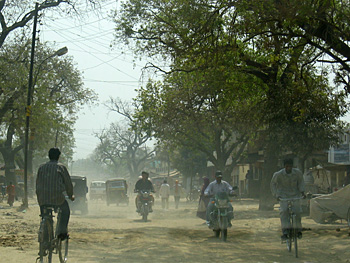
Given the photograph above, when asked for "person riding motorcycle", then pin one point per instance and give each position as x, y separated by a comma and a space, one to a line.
143, 184
214, 188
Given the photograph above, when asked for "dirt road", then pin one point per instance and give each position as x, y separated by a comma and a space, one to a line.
116, 234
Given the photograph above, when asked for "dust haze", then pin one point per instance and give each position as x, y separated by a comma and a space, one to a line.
117, 234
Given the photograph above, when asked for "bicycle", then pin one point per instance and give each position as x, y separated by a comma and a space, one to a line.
293, 232
49, 243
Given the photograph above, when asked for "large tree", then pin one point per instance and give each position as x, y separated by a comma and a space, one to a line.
15, 15
297, 100
124, 142
199, 111
57, 97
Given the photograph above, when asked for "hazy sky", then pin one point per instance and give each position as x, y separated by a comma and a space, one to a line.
105, 68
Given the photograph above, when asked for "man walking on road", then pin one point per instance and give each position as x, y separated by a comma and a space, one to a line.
177, 193
288, 183
164, 193
11, 193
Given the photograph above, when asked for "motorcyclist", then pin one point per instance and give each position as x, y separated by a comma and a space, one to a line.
143, 184
214, 188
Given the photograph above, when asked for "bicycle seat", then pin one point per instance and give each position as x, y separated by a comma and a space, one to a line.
48, 209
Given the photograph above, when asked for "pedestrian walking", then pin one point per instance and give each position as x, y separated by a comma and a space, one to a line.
164, 193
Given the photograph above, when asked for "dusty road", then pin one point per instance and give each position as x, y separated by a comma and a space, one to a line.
116, 234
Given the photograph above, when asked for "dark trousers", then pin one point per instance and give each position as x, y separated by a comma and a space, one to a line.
65, 214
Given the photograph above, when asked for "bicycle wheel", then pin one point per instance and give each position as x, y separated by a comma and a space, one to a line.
62, 245
62, 248
45, 239
295, 235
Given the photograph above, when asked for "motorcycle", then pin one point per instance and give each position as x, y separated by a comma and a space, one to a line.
145, 198
220, 215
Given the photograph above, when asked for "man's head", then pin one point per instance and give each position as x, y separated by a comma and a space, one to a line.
218, 176
54, 154
144, 175
165, 181
176, 181
288, 165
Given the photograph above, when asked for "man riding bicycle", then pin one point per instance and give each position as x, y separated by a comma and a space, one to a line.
52, 180
288, 183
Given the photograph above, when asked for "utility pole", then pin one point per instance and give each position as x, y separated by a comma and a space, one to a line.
28, 108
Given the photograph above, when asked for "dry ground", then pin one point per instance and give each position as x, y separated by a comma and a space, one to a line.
116, 234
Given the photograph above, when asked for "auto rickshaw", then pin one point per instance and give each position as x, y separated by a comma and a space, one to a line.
116, 191
80, 190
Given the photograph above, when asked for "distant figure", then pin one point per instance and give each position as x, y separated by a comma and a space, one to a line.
248, 178
346, 179
309, 180
11, 193
177, 193
203, 200
164, 193
3, 190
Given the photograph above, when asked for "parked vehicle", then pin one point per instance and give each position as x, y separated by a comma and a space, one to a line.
220, 215
80, 190
116, 191
97, 190
193, 195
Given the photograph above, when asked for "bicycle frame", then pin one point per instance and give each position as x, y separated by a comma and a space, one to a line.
293, 234
47, 237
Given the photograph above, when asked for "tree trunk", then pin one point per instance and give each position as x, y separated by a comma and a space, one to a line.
267, 201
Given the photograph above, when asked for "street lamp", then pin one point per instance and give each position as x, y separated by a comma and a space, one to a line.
59, 52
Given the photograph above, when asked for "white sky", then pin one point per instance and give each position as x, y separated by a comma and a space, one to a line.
106, 70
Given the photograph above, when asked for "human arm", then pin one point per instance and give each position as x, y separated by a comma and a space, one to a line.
273, 185
229, 188
137, 187
208, 190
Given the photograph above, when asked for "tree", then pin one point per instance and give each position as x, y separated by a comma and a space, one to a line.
245, 38
197, 111
15, 14
124, 143
323, 25
58, 95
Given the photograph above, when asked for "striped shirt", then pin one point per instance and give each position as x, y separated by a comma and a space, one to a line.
52, 180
